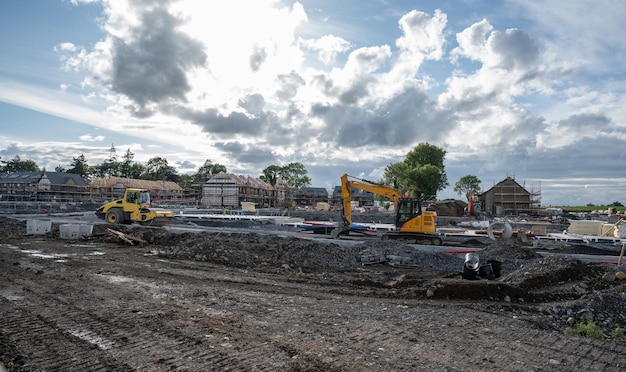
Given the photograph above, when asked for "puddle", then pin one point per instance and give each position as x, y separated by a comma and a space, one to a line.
58, 257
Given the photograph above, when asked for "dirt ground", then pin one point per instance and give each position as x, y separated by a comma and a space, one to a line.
261, 298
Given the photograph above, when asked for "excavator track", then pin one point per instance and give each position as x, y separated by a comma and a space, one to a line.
416, 238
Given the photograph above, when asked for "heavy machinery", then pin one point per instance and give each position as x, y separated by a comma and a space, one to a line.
412, 224
133, 207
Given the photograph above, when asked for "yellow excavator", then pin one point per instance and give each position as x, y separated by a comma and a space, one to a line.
412, 224
134, 207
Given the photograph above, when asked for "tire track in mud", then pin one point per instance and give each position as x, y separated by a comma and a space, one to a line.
56, 349
129, 310
142, 332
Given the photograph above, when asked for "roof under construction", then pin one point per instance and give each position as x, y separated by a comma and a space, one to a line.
120, 182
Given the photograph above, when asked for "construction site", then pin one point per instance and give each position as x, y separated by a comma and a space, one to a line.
260, 291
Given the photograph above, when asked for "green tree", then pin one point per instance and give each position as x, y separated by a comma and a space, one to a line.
158, 169
424, 154
422, 171
425, 180
18, 165
467, 185
270, 174
295, 174
394, 176
79, 166
112, 165
206, 170
136, 170
108, 168
125, 166
186, 181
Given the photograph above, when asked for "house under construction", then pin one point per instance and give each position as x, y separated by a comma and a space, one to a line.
111, 188
229, 191
508, 197
43, 186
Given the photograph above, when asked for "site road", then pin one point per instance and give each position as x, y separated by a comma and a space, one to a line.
83, 306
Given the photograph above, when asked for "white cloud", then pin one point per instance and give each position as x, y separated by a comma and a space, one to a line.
91, 138
327, 47
471, 41
239, 81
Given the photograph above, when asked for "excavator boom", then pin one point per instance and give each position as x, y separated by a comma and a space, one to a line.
348, 184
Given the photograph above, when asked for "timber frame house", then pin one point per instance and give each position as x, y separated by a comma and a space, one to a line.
508, 197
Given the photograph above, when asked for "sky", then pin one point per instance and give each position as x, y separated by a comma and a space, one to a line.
529, 89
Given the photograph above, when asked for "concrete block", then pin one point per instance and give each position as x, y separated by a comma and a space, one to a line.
69, 231
38, 227
86, 229
585, 227
539, 230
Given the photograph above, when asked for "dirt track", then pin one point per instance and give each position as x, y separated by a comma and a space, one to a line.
199, 302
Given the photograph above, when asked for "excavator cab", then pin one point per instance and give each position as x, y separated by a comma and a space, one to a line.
407, 210
410, 219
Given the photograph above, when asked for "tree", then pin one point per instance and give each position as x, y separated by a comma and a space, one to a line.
270, 174
158, 169
424, 154
79, 166
112, 165
108, 168
394, 176
422, 171
467, 185
425, 180
207, 170
18, 165
136, 170
295, 174
186, 181
126, 165
217, 168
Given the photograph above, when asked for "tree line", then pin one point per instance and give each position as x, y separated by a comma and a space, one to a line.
155, 169
422, 172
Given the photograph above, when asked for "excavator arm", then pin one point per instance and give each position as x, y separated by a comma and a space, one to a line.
347, 184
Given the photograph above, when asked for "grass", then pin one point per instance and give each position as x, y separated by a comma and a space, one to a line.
589, 330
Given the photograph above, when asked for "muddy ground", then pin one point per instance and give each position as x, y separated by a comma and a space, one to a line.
260, 298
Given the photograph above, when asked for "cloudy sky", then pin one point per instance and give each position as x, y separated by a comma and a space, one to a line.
524, 88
